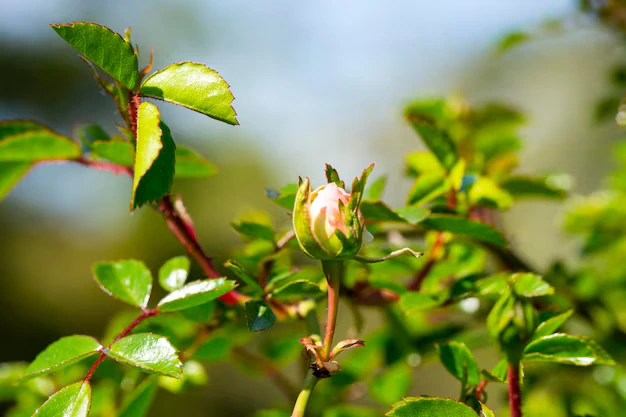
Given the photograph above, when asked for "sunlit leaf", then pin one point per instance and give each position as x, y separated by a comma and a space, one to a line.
150, 352
72, 401
173, 273
115, 150
61, 354
195, 294
10, 174
194, 86
154, 157
563, 348
29, 141
430, 407
552, 324
129, 281
105, 48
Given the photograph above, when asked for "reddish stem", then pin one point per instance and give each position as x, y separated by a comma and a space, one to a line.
106, 166
133, 107
144, 315
480, 390
333, 271
515, 392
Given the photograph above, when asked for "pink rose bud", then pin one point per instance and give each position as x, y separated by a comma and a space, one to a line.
327, 221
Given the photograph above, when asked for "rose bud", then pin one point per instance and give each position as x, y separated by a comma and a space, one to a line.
327, 221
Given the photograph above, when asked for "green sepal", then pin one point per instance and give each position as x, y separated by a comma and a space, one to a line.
333, 176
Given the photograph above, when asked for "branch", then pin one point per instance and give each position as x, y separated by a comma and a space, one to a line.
144, 315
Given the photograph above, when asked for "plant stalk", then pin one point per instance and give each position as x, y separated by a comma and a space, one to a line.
333, 271
299, 408
515, 392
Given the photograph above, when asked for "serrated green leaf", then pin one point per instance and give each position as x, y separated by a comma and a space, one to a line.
150, 352
154, 157
460, 362
563, 348
393, 383
190, 164
139, 402
548, 186
72, 401
494, 284
428, 118
347, 410
129, 281
259, 316
10, 174
475, 230
551, 325
194, 86
195, 294
486, 411
105, 48
27, 141
530, 285
173, 273
430, 407
61, 354
115, 150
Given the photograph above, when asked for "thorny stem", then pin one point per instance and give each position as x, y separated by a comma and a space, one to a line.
144, 315
303, 399
515, 392
333, 271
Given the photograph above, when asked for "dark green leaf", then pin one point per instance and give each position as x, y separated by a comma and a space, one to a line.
129, 281
194, 86
430, 407
173, 273
259, 316
154, 158
460, 362
195, 294
255, 230
90, 133
333, 176
428, 118
72, 401
563, 348
61, 354
105, 48
150, 352
189, 164
140, 400
10, 174
393, 383
475, 230
116, 150
548, 186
